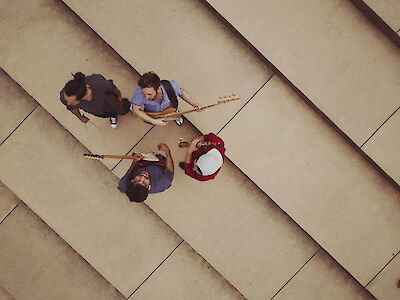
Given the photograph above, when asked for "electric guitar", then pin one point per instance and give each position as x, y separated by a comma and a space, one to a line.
146, 156
170, 113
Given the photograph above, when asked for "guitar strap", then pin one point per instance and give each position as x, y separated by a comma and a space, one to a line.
170, 92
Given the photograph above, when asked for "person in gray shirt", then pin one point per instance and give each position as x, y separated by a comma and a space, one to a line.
95, 95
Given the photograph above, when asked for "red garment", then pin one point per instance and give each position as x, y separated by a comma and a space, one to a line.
211, 137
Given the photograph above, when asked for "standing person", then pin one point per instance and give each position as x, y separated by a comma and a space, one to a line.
155, 95
203, 163
145, 177
95, 95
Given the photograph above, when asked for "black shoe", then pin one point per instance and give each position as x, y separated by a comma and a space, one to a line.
181, 165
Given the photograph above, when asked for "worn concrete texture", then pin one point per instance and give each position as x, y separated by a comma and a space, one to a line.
328, 50
186, 275
323, 278
385, 286
40, 265
326, 186
185, 42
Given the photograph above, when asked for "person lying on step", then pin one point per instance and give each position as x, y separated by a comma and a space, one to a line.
155, 95
148, 177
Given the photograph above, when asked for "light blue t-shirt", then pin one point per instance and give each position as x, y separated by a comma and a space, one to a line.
139, 99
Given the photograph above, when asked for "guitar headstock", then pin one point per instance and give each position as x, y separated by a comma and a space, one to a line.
228, 99
93, 156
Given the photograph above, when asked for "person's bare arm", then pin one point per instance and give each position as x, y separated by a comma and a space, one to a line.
77, 113
185, 96
168, 157
145, 117
191, 149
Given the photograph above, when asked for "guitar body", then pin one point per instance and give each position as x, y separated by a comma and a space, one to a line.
160, 114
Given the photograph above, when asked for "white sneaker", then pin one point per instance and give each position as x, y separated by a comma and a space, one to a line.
113, 122
179, 122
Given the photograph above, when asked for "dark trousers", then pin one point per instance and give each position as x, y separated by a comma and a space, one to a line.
116, 107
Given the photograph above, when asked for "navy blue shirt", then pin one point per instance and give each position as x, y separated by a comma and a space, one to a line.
160, 178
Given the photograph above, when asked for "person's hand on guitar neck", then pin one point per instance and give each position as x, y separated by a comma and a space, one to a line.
160, 122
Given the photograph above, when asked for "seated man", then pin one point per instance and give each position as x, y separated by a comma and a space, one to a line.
203, 160
96, 95
154, 95
145, 177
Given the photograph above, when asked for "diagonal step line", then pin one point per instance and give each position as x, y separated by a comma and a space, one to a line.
303, 96
380, 127
382, 268
246, 103
66, 243
297, 224
127, 153
156, 268
11, 211
296, 273
18, 126
98, 36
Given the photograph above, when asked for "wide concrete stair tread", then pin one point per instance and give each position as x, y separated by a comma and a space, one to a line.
278, 188
325, 56
308, 168
184, 42
238, 230
185, 271
41, 265
123, 242
355, 88
74, 47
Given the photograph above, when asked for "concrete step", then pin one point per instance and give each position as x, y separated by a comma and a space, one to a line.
63, 145
284, 189
317, 178
78, 199
331, 53
37, 264
194, 48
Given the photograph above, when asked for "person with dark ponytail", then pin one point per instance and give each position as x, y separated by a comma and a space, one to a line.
95, 95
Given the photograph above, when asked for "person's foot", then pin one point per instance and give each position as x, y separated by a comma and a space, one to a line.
179, 122
181, 165
113, 122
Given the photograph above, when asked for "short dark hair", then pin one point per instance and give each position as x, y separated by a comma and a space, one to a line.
77, 86
149, 79
136, 192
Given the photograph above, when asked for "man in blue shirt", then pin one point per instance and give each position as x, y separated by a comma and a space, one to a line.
144, 177
152, 96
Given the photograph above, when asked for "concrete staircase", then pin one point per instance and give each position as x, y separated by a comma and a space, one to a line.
290, 224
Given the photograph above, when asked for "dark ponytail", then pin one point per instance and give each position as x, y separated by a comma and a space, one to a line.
77, 86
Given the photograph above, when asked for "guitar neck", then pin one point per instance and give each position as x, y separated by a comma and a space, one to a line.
119, 156
176, 114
